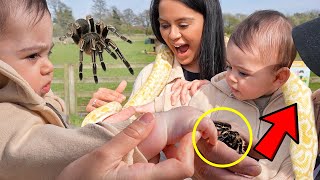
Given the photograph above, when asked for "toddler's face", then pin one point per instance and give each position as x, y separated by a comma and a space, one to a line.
247, 75
25, 46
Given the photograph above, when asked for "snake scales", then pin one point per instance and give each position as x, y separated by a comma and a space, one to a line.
303, 155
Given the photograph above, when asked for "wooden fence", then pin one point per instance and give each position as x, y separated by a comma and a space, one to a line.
70, 79
71, 93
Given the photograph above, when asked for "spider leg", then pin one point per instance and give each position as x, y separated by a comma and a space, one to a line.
110, 52
91, 22
114, 30
93, 58
109, 42
81, 44
103, 65
99, 26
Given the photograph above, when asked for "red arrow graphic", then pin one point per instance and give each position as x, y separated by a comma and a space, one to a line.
284, 121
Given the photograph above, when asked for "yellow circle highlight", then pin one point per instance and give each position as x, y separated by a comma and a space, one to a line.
195, 143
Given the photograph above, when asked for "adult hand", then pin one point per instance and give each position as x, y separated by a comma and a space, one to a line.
183, 89
104, 95
222, 154
106, 162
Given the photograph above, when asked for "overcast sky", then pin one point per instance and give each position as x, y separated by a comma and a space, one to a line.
83, 7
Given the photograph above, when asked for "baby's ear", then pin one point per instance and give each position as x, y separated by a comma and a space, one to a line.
282, 76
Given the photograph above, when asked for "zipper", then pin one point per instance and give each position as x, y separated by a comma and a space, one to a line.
57, 113
257, 109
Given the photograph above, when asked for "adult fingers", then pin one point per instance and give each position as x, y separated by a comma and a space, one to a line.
184, 92
177, 84
196, 86
121, 116
222, 154
175, 96
101, 161
121, 87
130, 137
180, 163
108, 95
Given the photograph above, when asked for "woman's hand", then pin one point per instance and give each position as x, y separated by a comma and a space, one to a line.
104, 95
183, 89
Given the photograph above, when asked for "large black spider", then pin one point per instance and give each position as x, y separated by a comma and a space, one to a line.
230, 138
92, 39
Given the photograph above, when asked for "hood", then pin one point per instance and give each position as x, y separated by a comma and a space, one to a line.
219, 81
14, 89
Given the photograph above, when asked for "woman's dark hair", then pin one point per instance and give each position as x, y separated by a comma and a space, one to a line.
39, 7
212, 47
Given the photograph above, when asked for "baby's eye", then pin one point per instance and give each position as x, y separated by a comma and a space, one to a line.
33, 56
243, 74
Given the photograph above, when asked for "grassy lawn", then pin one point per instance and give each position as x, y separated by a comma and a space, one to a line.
134, 53
69, 54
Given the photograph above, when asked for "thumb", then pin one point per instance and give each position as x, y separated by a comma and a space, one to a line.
131, 136
122, 86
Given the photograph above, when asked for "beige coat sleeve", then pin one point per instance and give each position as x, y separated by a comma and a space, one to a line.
30, 149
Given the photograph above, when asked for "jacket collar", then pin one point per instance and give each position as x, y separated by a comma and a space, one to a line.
13, 88
176, 72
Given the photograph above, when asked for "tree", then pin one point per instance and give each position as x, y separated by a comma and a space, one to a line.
128, 18
99, 9
143, 20
115, 17
62, 16
231, 21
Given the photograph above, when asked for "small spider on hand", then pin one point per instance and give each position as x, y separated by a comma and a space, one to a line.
92, 39
229, 137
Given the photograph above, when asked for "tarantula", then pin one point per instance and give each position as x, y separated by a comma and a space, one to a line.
92, 39
230, 138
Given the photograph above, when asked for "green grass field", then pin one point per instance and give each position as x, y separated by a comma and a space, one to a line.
134, 53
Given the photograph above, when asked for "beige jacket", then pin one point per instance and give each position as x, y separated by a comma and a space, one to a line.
162, 102
217, 93
34, 140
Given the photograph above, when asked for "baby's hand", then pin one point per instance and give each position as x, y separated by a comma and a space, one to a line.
172, 125
183, 88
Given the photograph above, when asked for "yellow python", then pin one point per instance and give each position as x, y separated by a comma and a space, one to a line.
303, 155
147, 92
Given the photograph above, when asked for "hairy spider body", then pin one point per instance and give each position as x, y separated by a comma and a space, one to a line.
92, 39
230, 138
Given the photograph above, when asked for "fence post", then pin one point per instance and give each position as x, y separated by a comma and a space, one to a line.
72, 90
66, 88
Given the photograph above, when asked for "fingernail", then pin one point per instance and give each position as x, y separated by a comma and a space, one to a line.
198, 135
147, 118
123, 97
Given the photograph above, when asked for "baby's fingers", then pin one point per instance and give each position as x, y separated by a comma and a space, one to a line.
208, 130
